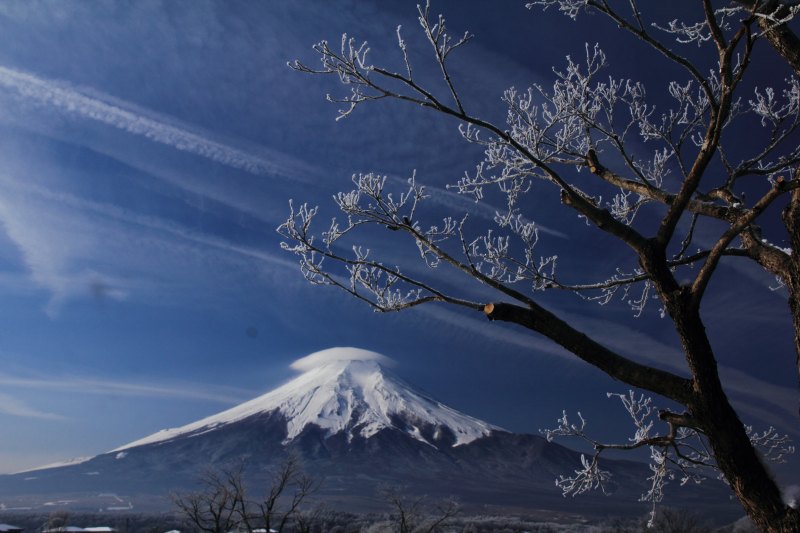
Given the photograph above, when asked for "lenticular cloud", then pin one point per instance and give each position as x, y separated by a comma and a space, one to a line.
331, 355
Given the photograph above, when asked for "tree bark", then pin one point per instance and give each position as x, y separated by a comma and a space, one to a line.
706, 400
644, 377
791, 219
782, 39
738, 461
794, 307
736, 457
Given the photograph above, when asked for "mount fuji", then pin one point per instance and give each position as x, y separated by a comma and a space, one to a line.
356, 427
345, 391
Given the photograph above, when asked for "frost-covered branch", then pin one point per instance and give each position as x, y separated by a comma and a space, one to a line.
383, 287
386, 287
636, 28
443, 44
774, 447
554, 133
679, 451
711, 27
626, 159
704, 275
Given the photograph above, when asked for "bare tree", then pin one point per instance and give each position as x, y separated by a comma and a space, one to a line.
216, 507
306, 520
682, 453
678, 521
418, 514
222, 504
56, 521
667, 520
290, 487
685, 176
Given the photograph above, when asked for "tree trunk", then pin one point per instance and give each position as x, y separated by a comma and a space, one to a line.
791, 219
783, 40
743, 469
794, 304
707, 402
794, 307
736, 457
733, 452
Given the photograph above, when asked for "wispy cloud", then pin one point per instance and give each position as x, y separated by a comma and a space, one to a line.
125, 116
46, 256
149, 222
745, 385
56, 231
9, 405
96, 385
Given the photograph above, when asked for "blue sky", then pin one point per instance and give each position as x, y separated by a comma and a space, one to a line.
149, 151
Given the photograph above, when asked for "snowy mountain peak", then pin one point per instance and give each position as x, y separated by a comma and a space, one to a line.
345, 390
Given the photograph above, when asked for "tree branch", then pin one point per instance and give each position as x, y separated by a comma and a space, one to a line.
635, 374
603, 7
703, 277
780, 36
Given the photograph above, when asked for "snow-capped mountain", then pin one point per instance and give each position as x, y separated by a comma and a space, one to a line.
356, 427
345, 390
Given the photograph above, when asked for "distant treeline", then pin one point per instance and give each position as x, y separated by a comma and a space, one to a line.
124, 523
342, 522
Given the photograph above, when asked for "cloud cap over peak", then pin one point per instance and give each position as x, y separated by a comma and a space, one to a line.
341, 353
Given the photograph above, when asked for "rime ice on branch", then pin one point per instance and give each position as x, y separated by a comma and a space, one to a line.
619, 163
681, 452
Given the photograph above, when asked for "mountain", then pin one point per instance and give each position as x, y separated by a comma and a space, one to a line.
356, 427
345, 390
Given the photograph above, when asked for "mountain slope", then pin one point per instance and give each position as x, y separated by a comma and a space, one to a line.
344, 390
356, 428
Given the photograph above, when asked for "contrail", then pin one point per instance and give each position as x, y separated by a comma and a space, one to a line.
129, 118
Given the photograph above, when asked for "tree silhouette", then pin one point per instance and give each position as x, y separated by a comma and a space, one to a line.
647, 178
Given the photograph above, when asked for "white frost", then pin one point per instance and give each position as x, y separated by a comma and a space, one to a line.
342, 389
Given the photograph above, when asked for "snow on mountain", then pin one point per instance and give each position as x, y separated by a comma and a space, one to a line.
68, 462
343, 389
